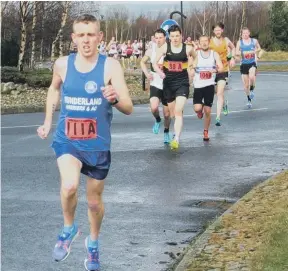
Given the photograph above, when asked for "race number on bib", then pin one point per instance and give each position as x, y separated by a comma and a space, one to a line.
79, 129
205, 75
174, 66
249, 55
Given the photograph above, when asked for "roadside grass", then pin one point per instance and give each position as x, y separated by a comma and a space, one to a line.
275, 56
253, 234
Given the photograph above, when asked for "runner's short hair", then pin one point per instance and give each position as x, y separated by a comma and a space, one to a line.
160, 31
204, 36
245, 28
219, 24
86, 18
174, 28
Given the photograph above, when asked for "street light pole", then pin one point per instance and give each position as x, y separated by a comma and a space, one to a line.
181, 9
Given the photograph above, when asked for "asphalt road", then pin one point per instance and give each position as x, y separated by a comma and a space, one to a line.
156, 200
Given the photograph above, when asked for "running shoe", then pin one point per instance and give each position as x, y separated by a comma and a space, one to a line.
166, 138
218, 122
156, 127
91, 263
174, 144
225, 108
252, 94
205, 135
249, 104
63, 246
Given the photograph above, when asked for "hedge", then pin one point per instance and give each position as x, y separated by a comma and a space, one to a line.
37, 78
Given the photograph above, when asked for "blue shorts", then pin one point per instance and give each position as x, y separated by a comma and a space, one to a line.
95, 164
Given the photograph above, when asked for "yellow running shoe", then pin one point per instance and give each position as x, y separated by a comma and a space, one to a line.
174, 145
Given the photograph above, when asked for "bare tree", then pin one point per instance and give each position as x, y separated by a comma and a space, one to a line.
34, 22
243, 19
59, 37
25, 9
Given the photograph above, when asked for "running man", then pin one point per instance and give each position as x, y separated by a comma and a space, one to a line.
156, 86
176, 77
248, 49
206, 65
90, 85
220, 45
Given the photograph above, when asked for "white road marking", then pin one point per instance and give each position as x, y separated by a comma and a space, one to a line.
271, 74
36, 125
238, 111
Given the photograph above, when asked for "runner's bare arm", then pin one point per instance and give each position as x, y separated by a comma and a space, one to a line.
259, 49
190, 51
219, 63
159, 53
231, 46
238, 53
53, 94
114, 76
143, 62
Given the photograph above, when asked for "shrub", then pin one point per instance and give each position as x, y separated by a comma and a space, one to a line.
37, 78
11, 74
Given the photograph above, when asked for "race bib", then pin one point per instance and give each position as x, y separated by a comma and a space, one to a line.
79, 129
174, 66
205, 75
249, 55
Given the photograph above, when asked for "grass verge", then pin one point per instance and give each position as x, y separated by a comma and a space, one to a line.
252, 235
275, 56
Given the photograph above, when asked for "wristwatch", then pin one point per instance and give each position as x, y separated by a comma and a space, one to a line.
115, 102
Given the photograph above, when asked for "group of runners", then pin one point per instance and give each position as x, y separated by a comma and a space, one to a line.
91, 84
175, 65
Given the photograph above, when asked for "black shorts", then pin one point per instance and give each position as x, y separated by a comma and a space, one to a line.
244, 68
95, 164
156, 92
221, 76
206, 93
171, 92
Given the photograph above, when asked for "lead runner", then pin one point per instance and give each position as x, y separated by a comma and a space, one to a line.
82, 138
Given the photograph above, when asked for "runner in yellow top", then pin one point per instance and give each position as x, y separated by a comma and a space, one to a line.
220, 44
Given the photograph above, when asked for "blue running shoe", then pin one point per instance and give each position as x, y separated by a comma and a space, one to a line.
156, 127
166, 138
63, 246
91, 263
252, 95
218, 123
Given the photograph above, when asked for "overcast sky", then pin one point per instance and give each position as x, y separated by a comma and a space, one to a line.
151, 7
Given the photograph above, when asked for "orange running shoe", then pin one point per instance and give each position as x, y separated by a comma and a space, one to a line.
205, 135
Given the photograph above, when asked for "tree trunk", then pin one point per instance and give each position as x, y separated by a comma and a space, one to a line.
216, 18
226, 13
32, 62
243, 17
63, 23
59, 37
116, 29
235, 28
24, 5
128, 33
121, 33
42, 31
204, 21
106, 30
